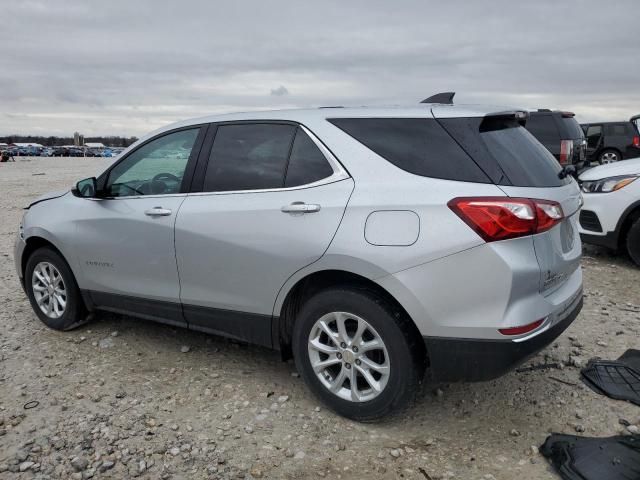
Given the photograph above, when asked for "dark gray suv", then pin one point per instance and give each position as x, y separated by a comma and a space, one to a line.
609, 142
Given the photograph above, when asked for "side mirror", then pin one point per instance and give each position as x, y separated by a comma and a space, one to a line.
86, 188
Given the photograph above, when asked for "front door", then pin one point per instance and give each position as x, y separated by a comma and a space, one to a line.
125, 241
270, 204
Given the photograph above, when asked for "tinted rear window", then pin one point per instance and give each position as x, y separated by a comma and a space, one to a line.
417, 145
248, 157
543, 127
516, 156
618, 129
572, 127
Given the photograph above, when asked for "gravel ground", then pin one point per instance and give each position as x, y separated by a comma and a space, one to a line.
122, 398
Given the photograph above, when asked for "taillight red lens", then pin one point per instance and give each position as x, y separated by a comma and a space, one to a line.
548, 214
566, 151
636, 141
501, 218
520, 330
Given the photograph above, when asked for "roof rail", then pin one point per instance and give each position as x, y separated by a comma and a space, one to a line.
445, 98
544, 110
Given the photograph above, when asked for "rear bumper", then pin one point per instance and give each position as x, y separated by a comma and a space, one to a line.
480, 360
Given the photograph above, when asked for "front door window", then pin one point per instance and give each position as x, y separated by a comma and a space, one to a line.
156, 168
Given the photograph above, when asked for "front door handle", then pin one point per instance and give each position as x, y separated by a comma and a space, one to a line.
158, 212
301, 207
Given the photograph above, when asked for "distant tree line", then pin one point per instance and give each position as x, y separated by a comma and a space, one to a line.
55, 141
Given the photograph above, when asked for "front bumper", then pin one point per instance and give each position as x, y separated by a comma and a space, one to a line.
18, 250
473, 360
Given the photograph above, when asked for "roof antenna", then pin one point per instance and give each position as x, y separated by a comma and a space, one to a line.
445, 98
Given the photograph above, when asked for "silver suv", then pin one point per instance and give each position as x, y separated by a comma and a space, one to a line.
370, 244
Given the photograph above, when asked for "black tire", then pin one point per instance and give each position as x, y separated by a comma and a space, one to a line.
633, 241
75, 313
406, 355
609, 151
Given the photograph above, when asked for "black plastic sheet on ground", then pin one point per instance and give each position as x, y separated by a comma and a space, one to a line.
619, 379
582, 458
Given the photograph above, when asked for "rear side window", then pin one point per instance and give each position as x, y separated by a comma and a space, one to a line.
543, 127
521, 160
248, 157
307, 163
617, 129
417, 145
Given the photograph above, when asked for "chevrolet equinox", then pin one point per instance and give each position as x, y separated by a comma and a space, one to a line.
371, 244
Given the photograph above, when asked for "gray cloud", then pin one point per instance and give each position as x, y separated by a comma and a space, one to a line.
122, 67
280, 91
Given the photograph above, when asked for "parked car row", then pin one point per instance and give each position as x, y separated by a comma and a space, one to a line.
65, 151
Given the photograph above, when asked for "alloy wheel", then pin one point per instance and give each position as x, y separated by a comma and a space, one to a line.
49, 290
349, 357
609, 157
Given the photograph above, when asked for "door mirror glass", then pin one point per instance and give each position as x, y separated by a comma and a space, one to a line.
86, 188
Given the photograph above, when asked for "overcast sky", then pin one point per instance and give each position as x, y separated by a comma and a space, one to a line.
126, 67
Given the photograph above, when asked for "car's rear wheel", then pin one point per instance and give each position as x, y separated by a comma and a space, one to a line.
633, 241
609, 156
355, 353
53, 291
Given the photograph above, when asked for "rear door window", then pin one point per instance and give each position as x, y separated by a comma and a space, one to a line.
417, 145
617, 129
307, 163
249, 157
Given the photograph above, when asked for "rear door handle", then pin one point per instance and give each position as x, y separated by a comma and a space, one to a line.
157, 212
301, 207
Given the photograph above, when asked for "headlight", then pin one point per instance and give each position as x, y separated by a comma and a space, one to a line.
607, 185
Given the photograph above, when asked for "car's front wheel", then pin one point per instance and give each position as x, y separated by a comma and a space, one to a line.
356, 353
633, 241
53, 291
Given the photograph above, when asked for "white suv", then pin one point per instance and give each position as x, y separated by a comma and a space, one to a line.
611, 213
368, 243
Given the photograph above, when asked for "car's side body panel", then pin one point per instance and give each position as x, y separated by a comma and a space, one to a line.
235, 250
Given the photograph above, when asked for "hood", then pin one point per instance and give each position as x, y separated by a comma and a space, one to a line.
625, 167
47, 196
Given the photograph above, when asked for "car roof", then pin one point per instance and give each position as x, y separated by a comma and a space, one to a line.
620, 122
323, 113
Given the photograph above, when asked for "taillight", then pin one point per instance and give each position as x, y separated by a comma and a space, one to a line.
501, 218
566, 151
636, 141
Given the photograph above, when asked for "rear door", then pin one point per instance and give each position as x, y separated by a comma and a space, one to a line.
269, 201
529, 171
